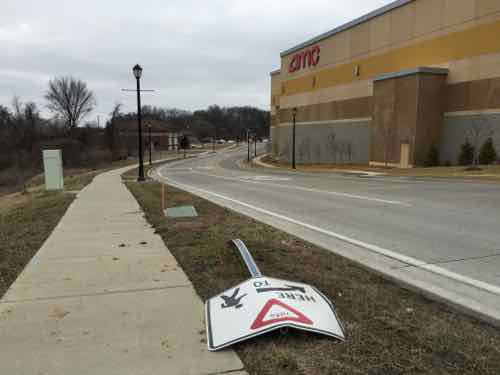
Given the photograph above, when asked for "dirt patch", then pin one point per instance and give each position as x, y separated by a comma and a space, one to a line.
390, 330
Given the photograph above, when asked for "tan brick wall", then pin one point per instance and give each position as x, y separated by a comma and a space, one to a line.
406, 37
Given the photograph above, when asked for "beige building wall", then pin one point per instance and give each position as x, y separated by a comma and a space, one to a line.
462, 36
275, 91
414, 22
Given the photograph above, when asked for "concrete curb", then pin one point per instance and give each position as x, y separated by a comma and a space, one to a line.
258, 161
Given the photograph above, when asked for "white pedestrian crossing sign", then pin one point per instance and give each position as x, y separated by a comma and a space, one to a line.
263, 304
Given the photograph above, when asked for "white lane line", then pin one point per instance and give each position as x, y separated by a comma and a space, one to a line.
311, 190
265, 178
376, 249
176, 169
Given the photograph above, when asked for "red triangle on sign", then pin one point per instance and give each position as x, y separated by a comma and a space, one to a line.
282, 317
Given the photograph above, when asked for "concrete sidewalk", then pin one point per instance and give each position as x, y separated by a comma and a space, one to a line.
105, 296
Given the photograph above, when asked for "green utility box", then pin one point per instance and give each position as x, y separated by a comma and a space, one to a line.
53, 167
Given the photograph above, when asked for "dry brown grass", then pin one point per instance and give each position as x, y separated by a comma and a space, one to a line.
27, 218
390, 330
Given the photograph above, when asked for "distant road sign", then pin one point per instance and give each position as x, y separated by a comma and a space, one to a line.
264, 304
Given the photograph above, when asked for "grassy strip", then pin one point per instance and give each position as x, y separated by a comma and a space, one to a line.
24, 226
27, 219
390, 330
484, 172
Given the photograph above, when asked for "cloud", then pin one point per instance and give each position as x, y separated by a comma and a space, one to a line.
194, 52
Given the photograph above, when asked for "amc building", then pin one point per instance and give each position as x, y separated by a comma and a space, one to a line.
391, 85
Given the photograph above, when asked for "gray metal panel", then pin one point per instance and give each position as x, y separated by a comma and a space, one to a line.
357, 21
408, 72
181, 211
53, 169
339, 143
454, 134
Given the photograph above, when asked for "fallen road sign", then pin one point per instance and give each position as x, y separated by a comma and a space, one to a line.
263, 304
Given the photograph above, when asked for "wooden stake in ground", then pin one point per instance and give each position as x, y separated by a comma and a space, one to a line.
163, 196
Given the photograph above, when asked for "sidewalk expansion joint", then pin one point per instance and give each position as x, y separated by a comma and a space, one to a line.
104, 255
41, 299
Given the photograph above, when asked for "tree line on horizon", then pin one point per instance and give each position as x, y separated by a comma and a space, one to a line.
25, 131
212, 122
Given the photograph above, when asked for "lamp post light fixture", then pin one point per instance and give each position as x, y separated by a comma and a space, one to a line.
294, 115
150, 144
137, 70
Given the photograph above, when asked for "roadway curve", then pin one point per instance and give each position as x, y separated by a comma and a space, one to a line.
440, 237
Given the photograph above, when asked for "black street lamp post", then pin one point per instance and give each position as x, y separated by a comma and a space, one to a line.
248, 144
294, 114
137, 74
150, 145
255, 144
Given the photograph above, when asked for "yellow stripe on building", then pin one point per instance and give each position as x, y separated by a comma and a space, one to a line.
475, 41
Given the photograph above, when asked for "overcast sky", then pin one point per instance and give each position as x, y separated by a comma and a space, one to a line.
194, 52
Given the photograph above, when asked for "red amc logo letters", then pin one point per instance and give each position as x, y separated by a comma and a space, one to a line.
306, 58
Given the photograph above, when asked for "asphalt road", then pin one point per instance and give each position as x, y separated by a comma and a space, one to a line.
440, 236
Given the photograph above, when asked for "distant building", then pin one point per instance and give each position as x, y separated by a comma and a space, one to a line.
388, 86
164, 136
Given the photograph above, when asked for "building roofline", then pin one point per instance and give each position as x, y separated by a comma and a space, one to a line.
274, 72
409, 72
376, 13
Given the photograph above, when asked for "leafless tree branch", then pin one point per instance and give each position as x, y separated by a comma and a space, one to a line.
70, 99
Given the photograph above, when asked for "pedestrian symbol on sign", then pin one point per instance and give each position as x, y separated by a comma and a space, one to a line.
232, 301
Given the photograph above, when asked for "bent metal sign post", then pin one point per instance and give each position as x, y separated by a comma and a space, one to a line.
263, 304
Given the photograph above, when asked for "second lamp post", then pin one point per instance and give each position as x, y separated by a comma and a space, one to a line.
137, 74
150, 144
294, 115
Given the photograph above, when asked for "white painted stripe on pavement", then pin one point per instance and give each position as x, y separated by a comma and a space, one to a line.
176, 169
377, 249
311, 190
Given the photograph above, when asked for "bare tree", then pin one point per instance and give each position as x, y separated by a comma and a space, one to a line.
479, 131
25, 120
70, 99
32, 118
112, 133
317, 152
305, 150
333, 146
17, 105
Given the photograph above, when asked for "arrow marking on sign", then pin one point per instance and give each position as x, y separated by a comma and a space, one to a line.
282, 314
290, 288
